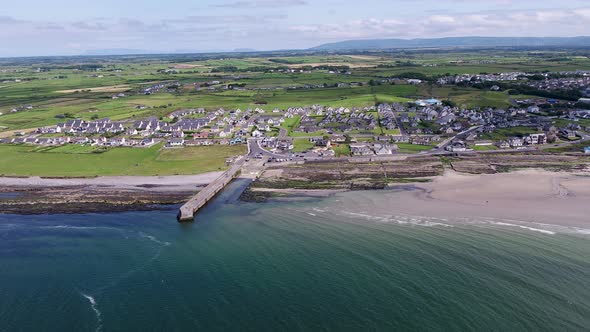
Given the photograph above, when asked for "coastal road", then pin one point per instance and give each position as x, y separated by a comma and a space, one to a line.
442, 146
584, 138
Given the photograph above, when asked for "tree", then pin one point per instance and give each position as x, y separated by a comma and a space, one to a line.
449, 103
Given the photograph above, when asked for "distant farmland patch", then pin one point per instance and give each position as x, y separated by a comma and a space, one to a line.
112, 88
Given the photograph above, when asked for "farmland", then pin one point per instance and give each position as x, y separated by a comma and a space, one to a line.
82, 88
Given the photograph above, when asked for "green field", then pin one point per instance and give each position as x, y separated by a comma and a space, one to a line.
342, 150
62, 162
506, 133
485, 148
413, 148
302, 145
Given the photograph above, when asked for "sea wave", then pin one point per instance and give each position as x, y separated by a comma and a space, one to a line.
544, 231
403, 220
97, 312
154, 239
70, 227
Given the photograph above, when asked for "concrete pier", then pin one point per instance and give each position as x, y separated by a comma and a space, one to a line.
188, 210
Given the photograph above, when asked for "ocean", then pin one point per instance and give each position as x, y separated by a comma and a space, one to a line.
310, 264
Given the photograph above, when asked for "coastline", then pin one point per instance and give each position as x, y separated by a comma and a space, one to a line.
36, 195
540, 192
522, 196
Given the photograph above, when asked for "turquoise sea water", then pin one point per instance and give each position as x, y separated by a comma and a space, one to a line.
308, 265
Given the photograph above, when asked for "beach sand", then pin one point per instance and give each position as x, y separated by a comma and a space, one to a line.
528, 195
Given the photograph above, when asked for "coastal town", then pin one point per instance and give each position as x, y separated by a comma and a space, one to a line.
385, 129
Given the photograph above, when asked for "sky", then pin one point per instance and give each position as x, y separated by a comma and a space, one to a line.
73, 27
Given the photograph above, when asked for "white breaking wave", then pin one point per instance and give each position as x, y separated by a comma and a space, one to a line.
544, 231
403, 220
79, 227
97, 312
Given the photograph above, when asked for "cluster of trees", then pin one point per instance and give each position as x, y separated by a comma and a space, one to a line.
415, 75
521, 89
399, 63
283, 61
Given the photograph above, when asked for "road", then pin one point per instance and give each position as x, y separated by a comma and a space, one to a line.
399, 123
462, 135
584, 138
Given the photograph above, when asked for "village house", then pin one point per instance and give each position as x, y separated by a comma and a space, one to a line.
360, 150
176, 142
458, 146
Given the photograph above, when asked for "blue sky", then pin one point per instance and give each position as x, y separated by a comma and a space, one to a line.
64, 27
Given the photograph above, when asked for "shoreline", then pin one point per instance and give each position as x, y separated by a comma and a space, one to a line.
523, 196
173, 182
534, 194
36, 195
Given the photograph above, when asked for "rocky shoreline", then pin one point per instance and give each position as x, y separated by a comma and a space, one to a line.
28, 200
37, 195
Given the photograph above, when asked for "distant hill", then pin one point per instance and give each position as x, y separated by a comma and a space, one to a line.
454, 42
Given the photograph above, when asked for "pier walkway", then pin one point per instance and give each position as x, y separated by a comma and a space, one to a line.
188, 210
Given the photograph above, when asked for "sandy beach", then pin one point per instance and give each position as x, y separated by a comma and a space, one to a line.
527, 195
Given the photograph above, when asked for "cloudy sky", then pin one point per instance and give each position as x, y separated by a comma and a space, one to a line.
70, 27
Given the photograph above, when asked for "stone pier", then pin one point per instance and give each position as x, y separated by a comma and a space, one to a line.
187, 211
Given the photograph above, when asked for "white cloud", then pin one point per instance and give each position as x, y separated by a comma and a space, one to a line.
526, 23
274, 29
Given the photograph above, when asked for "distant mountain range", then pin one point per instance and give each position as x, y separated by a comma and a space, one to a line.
454, 42
376, 44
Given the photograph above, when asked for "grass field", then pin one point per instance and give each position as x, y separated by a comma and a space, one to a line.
504, 134
62, 162
413, 148
302, 145
342, 150
485, 148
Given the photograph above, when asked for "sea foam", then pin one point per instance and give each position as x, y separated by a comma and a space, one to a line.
97, 312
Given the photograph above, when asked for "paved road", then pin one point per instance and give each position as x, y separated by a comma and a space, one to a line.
442, 146
283, 133
400, 124
585, 138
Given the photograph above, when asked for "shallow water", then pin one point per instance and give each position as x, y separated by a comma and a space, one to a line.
317, 264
